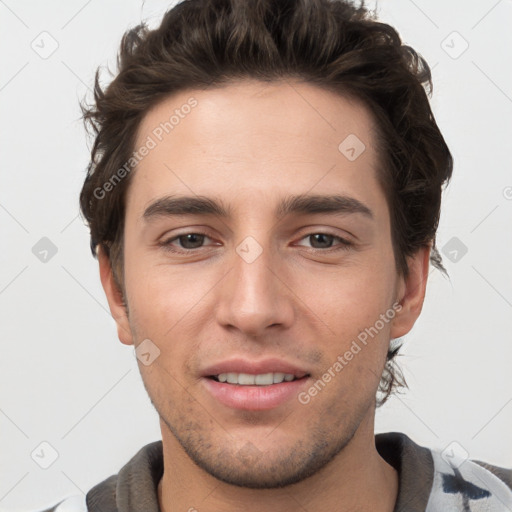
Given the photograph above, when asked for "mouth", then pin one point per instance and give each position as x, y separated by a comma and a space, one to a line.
239, 383
255, 391
261, 379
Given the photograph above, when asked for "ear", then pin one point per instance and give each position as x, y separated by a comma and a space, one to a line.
411, 292
114, 298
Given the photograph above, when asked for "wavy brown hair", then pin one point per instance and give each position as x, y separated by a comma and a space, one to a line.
332, 44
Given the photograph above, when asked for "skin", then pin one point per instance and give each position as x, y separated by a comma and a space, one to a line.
249, 144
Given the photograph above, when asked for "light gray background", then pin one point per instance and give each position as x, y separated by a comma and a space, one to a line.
65, 378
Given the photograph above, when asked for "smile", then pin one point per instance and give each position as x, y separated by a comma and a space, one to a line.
262, 379
251, 392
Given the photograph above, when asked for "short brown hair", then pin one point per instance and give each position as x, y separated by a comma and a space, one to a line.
332, 44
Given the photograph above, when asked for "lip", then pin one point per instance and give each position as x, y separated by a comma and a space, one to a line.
254, 398
239, 365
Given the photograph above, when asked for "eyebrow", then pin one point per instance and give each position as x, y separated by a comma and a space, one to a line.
299, 204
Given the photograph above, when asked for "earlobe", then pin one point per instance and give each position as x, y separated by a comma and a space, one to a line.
412, 292
114, 298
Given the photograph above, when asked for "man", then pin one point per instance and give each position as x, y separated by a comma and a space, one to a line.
263, 198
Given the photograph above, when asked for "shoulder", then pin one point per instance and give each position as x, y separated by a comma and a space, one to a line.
136, 483
71, 504
436, 481
463, 484
503, 474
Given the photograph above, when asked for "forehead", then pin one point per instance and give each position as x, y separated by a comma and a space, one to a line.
249, 135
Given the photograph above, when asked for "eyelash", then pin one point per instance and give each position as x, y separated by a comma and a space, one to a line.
343, 245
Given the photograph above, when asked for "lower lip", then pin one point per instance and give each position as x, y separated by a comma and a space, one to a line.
254, 398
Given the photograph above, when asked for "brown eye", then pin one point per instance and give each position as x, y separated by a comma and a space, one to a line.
326, 241
186, 242
191, 240
321, 240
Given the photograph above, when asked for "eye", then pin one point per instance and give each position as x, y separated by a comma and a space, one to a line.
187, 242
325, 241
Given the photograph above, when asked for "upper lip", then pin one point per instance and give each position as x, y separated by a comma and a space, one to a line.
238, 365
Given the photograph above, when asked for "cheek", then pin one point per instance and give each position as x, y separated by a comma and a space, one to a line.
159, 294
170, 306
350, 303
351, 298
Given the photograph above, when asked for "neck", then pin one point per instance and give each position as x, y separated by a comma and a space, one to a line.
357, 479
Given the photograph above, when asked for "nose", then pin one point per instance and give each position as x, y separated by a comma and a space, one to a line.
254, 295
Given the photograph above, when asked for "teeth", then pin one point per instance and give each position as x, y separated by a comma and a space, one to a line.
262, 379
278, 377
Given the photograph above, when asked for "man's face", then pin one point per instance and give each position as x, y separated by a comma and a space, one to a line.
258, 287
